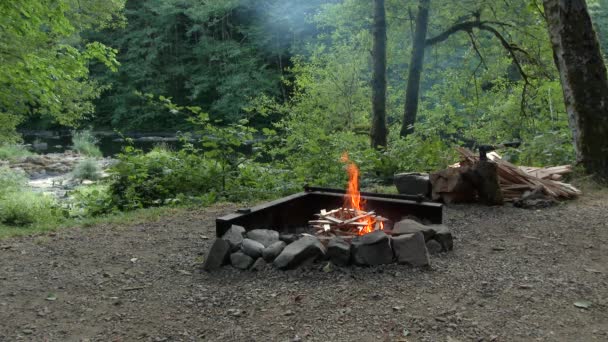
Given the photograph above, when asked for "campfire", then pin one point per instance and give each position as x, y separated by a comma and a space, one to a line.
351, 219
341, 227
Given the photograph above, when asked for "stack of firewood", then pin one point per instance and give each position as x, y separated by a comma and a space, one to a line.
515, 181
345, 222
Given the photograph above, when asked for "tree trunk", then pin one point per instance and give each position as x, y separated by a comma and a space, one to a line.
584, 81
415, 69
378, 130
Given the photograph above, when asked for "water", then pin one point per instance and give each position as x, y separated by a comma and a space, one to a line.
110, 143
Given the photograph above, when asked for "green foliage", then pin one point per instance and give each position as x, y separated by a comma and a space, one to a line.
256, 181
10, 181
21, 208
87, 169
156, 178
215, 54
44, 61
85, 143
546, 149
13, 151
277, 91
8, 128
91, 201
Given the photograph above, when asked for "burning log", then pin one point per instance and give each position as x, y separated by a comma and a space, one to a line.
351, 219
346, 222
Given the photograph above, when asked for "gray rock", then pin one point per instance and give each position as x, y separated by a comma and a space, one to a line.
217, 255
408, 226
288, 238
271, 252
338, 251
252, 248
444, 237
240, 260
535, 203
411, 249
433, 246
259, 265
302, 251
264, 236
234, 236
372, 249
413, 183
41, 146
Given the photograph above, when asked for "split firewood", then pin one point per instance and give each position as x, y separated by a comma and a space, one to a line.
515, 181
357, 218
345, 222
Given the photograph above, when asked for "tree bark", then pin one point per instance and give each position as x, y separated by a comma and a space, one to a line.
415, 69
578, 58
379, 131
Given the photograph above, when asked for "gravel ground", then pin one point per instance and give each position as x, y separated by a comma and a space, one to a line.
514, 275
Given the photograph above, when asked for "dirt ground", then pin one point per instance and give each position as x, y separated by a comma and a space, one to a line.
514, 276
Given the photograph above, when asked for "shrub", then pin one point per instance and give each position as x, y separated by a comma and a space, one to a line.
85, 143
23, 208
155, 178
12, 152
10, 181
420, 153
89, 201
550, 148
87, 169
256, 182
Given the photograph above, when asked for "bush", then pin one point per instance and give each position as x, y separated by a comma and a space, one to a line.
548, 149
23, 208
90, 201
10, 181
12, 152
87, 169
156, 178
257, 182
85, 143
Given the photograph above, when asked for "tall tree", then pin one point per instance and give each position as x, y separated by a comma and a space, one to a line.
379, 131
584, 81
44, 65
415, 70
421, 42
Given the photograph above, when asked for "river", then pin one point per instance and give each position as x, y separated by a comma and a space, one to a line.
109, 143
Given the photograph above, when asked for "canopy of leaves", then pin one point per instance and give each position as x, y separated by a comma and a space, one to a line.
44, 63
304, 65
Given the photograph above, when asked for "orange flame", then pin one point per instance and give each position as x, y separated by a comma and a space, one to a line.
353, 200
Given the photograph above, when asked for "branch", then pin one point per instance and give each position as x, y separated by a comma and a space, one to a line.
467, 26
483, 25
509, 47
476, 48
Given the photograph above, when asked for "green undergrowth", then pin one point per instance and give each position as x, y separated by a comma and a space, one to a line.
12, 152
85, 143
115, 219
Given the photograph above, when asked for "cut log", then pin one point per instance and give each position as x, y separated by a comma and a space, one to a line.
514, 181
485, 178
450, 186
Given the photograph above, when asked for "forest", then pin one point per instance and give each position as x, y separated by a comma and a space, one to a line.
265, 95
303, 170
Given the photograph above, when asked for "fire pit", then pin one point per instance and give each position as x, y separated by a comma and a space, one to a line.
342, 226
291, 214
